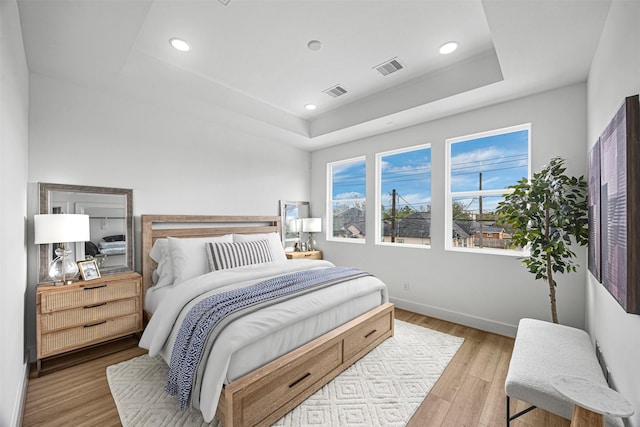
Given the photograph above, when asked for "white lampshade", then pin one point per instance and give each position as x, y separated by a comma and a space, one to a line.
311, 225
61, 228
295, 225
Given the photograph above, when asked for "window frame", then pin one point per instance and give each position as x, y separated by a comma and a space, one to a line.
329, 219
378, 197
450, 195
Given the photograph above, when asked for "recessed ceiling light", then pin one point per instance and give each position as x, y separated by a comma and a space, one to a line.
448, 47
180, 44
310, 107
314, 45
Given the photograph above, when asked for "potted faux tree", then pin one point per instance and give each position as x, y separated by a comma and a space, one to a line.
545, 213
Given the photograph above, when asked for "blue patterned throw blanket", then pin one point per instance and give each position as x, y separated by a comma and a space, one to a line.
205, 320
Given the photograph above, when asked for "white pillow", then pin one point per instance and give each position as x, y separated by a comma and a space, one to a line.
164, 272
223, 256
189, 255
277, 251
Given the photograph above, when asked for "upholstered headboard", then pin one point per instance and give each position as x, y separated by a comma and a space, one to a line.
182, 226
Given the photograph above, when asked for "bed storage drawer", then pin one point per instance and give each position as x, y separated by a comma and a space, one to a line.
366, 334
266, 394
279, 386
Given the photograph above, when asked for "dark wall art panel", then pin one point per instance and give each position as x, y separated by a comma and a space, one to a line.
620, 206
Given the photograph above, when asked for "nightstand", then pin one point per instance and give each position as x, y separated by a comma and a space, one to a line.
304, 255
86, 313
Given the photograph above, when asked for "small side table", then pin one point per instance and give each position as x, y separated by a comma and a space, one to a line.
592, 401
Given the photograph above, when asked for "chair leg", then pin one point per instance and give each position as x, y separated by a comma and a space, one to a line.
519, 414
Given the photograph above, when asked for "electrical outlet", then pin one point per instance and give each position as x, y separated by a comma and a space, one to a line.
406, 286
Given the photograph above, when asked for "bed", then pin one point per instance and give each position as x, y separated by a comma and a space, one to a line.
268, 361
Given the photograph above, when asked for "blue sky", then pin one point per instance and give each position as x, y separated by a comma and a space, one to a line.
502, 159
410, 174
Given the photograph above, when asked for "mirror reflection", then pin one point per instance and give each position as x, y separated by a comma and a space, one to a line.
110, 222
291, 210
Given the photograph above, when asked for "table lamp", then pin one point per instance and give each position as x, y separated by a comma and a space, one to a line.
311, 225
62, 229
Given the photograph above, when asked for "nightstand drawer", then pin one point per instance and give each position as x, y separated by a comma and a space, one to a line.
89, 294
72, 338
87, 314
304, 255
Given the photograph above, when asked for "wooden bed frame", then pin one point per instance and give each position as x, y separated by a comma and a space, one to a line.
266, 394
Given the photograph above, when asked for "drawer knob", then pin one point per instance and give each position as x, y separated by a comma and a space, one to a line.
371, 333
299, 380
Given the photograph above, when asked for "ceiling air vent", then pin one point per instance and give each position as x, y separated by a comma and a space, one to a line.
335, 91
391, 66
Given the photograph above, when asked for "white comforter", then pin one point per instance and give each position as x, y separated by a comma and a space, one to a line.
161, 331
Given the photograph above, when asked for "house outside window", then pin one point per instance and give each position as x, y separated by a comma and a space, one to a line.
479, 169
403, 197
346, 220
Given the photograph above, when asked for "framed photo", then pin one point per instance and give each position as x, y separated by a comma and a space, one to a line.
89, 269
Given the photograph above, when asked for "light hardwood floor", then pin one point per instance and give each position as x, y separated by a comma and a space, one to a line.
469, 393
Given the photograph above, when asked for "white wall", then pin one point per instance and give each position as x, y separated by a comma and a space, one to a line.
14, 90
485, 291
614, 75
175, 164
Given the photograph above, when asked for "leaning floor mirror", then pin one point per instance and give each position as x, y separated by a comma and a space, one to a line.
110, 221
289, 212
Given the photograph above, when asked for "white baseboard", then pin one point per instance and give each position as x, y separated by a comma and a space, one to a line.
456, 317
18, 410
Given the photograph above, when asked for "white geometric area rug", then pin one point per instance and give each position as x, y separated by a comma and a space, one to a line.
384, 388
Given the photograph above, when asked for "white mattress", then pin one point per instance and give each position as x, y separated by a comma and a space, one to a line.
272, 346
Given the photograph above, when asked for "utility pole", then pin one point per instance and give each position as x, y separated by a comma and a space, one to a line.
480, 208
393, 215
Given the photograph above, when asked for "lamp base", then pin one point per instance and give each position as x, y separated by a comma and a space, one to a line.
311, 243
63, 269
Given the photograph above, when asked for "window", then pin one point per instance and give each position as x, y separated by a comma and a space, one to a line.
403, 197
479, 169
347, 200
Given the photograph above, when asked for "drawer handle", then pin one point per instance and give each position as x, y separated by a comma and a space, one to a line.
94, 306
95, 324
299, 380
94, 287
371, 333
308, 254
